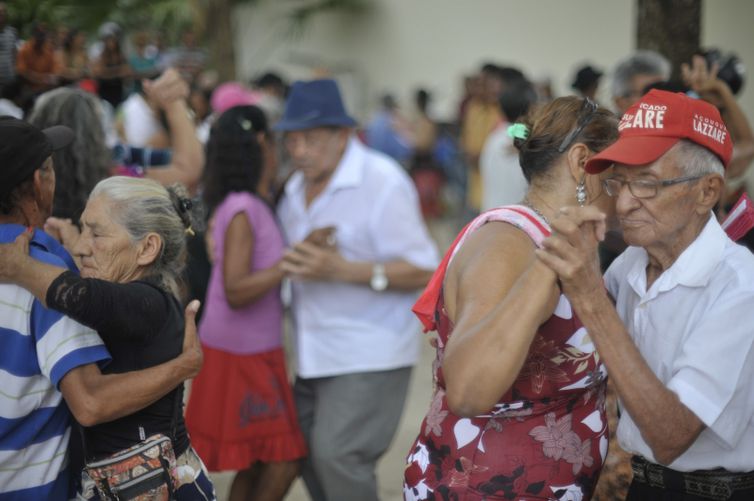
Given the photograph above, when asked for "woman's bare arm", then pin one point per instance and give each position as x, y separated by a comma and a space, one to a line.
498, 295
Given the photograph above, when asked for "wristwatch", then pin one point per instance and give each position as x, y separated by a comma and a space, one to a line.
379, 281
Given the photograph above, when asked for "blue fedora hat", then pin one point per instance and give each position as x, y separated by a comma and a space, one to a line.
315, 103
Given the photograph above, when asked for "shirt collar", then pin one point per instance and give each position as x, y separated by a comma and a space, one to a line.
9, 232
350, 169
693, 268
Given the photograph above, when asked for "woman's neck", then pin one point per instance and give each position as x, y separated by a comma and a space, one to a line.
547, 202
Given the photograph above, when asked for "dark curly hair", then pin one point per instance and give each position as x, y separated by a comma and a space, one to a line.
550, 125
79, 167
234, 155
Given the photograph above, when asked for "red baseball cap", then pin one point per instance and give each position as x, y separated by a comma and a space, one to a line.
657, 122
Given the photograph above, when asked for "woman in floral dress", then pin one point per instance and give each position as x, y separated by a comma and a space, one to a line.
518, 411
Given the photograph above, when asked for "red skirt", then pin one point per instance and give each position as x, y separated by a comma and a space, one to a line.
241, 411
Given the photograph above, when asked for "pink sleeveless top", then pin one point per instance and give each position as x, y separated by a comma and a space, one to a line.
546, 438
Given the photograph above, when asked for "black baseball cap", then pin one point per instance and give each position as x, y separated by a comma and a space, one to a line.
24, 148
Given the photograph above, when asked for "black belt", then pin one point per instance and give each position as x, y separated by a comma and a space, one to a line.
717, 484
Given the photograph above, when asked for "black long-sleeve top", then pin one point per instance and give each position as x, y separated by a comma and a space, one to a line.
142, 326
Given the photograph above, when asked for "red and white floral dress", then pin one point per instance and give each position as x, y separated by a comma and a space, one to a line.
547, 436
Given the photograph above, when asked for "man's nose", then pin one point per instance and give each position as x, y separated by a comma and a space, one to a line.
294, 147
80, 248
625, 201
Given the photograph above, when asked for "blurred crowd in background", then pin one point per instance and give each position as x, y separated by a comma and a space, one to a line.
118, 90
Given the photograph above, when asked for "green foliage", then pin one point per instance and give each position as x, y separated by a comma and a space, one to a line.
83, 14
301, 15
169, 17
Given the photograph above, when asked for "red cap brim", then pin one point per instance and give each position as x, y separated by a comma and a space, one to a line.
636, 150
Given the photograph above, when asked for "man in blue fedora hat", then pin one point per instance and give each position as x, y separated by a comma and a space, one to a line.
360, 253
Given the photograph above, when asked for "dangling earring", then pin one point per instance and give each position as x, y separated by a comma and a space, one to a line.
581, 193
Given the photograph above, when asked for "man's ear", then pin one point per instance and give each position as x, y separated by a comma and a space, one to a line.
37, 191
37, 185
149, 250
710, 193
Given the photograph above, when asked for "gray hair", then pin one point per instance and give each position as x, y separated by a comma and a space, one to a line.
87, 160
144, 206
696, 160
643, 62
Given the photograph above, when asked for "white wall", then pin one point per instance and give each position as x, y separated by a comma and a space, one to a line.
402, 44
729, 25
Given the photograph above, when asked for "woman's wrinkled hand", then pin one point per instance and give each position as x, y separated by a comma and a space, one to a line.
571, 250
192, 354
14, 257
63, 230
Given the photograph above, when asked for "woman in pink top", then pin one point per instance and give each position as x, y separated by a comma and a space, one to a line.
241, 414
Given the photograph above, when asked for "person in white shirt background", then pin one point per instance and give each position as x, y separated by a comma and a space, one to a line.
503, 181
360, 253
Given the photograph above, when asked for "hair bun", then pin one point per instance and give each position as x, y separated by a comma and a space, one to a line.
182, 204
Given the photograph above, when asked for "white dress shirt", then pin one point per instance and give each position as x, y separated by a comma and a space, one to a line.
344, 328
695, 328
140, 122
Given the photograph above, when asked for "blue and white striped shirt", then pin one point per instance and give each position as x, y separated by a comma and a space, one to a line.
38, 347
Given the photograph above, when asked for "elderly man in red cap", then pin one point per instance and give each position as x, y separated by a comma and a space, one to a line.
673, 318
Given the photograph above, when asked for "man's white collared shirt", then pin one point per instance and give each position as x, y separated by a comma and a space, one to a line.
345, 328
695, 328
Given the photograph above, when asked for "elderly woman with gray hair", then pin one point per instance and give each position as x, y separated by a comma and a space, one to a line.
130, 251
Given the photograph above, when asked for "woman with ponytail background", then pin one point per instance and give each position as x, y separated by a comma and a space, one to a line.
241, 413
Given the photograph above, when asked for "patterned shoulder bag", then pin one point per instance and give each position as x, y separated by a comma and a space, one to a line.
143, 472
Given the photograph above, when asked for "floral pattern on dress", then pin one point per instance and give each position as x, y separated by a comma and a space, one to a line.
559, 441
539, 367
436, 415
464, 468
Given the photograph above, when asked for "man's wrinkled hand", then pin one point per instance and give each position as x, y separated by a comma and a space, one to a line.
308, 261
571, 250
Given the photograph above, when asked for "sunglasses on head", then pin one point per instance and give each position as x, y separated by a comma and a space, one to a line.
588, 109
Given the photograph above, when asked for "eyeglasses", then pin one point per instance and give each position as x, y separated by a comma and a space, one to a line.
643, 188
588, 109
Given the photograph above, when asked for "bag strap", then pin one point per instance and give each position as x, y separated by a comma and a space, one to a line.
176, 410
83, 441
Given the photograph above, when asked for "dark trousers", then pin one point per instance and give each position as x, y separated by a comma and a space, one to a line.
644, 492
654, 482
348, 422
